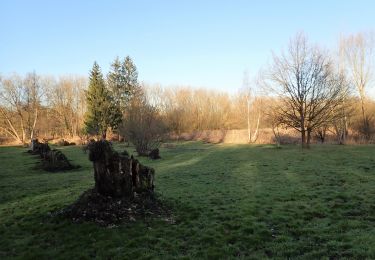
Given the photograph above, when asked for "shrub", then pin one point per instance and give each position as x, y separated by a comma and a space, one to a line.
143, 126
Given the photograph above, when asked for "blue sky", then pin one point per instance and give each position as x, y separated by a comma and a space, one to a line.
198, 43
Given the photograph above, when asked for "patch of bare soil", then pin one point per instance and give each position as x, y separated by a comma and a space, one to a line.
108, 211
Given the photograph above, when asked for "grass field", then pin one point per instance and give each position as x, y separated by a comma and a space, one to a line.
228, 201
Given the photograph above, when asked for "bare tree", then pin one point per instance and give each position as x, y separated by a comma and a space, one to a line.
142, 125
20, 105
309, 89
67, 101
359, 54
11, 95
275, 121
34, 91
253, 111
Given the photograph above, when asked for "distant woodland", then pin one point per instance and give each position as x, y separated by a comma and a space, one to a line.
306, 92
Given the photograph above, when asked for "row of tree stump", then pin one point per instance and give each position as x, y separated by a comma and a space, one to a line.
52, 160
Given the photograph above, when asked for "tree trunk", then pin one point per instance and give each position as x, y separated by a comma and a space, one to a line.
303, 128
276, 134
34, 124
345, 126
303, 138
23, 135
104, 135
363, 111
308, 141
256, 129
248, 121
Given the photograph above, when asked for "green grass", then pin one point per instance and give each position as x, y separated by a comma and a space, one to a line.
229, 201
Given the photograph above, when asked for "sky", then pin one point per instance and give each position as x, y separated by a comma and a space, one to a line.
192, 43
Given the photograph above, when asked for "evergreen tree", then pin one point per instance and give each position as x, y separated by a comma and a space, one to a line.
123, 81
116, 80
102, 111
130, 73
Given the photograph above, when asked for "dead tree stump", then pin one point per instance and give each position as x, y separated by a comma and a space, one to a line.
56, 161
123, 191
154, 154
52, 160
117, 175
41, 149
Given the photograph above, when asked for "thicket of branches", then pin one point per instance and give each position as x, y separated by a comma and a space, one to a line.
309, 89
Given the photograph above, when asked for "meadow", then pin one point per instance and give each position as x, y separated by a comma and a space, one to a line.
228, 201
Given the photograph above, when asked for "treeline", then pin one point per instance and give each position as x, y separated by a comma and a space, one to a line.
44, 106
186, 110
306, 88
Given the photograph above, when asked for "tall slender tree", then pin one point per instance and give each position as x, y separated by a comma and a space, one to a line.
116, 80
102, 112
131, 86
359, 50
123, 81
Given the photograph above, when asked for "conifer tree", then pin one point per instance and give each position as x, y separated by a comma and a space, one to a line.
102, 111
123, 81
116, 80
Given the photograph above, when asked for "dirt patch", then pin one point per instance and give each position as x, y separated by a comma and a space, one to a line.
108, 211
